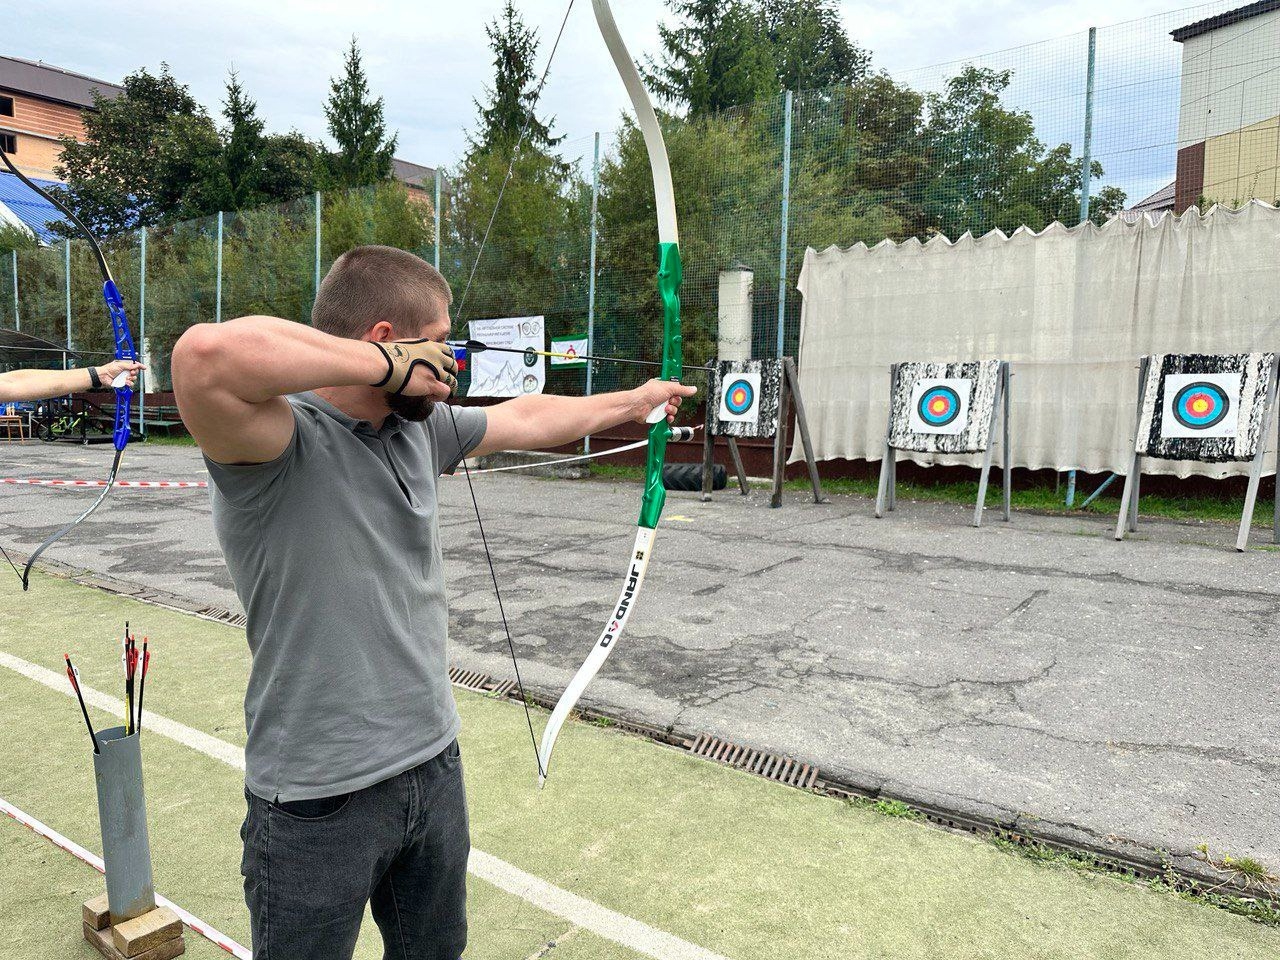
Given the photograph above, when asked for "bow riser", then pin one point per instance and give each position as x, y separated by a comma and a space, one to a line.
124, 351
670, 274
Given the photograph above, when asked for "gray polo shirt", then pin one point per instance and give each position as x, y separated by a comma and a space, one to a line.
334, 550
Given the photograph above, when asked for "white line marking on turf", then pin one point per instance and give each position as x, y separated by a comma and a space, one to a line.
609, 924
584, 913
212, 934
219, 750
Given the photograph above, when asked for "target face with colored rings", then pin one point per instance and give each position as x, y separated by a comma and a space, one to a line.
1201, 405
739, 396
939, 406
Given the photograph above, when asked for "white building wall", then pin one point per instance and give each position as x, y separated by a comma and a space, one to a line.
1230, 78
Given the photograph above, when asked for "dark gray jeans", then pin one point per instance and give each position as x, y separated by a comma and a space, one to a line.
311, 866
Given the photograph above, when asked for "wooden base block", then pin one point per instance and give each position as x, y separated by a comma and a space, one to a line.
96, 914
156, 935
133, 938
101, 941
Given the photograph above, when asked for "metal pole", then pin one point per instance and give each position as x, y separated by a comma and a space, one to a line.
786, 217
437, 218
1086, 158
1086, 163
217, 308
66, 359
318, 235
142, 331
591, 278
17, 320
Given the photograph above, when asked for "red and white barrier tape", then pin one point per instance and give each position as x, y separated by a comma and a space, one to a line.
134, 484
92, 859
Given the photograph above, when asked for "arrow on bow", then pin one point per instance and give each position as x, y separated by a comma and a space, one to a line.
669, 276
123, 351
475, 346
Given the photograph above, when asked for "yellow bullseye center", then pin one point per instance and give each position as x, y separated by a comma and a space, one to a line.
938, 406
1200, 404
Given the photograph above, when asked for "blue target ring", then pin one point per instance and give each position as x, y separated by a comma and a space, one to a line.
938, 406
739, 397
1200, 405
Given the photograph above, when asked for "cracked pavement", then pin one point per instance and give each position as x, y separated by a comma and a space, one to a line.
1120, 694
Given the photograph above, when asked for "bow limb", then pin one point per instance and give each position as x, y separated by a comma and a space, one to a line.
124, 350
670, 272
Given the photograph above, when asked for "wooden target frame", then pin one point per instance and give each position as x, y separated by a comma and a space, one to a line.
1127, 521
887, 492
788, 380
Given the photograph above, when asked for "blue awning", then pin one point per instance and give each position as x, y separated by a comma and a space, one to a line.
33, 210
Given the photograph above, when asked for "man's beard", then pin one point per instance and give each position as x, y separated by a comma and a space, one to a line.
413, 409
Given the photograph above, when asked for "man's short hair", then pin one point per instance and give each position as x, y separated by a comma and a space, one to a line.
373, 283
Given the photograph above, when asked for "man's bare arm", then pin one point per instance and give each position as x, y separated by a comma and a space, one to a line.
537, 422
230, 380
43, 384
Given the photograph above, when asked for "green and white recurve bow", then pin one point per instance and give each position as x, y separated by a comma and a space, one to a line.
669, 276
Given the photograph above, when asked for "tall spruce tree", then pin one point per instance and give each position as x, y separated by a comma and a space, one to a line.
259, 167
720, 56
511, 102
358, 125
519, 262
810, 46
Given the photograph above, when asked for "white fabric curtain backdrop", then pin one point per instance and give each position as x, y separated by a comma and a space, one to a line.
1072, 308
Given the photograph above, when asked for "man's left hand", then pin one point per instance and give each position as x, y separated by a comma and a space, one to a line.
658, 392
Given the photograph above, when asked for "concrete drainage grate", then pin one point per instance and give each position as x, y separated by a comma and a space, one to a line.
771, 766
478, 682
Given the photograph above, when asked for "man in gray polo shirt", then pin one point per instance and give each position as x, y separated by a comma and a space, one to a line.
324, 445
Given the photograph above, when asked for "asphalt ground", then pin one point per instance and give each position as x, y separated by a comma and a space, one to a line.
632, 850
1122, 695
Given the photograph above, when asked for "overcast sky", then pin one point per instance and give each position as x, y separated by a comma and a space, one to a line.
429, 60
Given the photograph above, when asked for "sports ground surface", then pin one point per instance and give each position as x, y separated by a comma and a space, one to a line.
634, 849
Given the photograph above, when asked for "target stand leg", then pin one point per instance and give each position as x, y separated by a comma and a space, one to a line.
1128, 518
736, 456
882, 490
708, 458
986, 455
886, 478
1006, 452
1275, 512
1255, 469
1129, 499
888, 473
791, 383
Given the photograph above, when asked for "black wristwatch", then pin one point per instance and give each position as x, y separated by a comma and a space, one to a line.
95, 381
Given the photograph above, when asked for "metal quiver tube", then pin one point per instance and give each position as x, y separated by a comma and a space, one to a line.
122, 814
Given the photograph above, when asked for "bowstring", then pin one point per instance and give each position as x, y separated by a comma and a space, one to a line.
458, 319
11, 563
493, 575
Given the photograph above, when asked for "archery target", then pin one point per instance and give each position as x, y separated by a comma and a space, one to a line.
1200, 405
740, 397
940, 405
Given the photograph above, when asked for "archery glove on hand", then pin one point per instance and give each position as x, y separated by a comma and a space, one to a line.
404, 356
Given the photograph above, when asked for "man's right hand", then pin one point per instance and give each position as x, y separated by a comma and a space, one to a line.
419, 368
